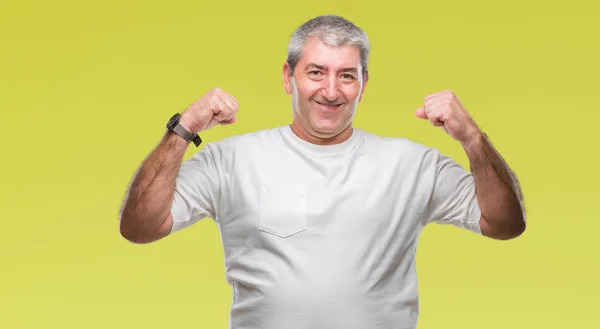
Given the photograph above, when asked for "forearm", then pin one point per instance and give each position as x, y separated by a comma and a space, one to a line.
148, 201
498, 191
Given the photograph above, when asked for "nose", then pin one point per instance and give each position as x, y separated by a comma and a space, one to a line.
331, 88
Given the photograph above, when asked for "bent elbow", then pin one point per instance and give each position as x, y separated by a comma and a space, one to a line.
130, 234
506, 230
131, 231
516, 230
519, 225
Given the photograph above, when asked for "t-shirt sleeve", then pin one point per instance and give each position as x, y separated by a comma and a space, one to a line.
197, 189
453, 200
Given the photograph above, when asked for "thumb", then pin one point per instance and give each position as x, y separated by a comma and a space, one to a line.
420, 113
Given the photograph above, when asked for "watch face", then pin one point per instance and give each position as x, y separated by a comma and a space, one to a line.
173, 121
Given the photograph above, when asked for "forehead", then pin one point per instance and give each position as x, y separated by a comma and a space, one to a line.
319, 53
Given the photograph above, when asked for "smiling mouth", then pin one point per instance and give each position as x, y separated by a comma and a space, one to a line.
331, 106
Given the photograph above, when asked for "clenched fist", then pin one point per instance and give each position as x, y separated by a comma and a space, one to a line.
215, 107
443, 109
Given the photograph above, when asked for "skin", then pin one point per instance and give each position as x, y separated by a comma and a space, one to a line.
498, 191
145, 214
331, 75
326, 75
334, 80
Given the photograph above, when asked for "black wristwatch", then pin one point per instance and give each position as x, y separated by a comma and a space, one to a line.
174, 126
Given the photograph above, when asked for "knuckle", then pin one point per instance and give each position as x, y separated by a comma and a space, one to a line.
226, 106
224, 109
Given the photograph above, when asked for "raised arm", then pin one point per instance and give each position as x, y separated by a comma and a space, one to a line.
145, 214
498, 193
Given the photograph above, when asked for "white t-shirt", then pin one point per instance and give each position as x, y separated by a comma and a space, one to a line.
322, 236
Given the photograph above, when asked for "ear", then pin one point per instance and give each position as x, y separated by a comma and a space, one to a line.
362, 91
287, 78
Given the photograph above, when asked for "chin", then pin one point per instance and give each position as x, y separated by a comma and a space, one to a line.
327, 127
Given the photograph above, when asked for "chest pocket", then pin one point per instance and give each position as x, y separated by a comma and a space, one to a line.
283, 209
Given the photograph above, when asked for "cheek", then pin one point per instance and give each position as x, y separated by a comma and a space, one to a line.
306, 94
352, 93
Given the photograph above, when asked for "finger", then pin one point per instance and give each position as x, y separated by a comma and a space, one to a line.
225, 114
223, 107
435, 102
434, 116
229, 100
234, 107
234, 100
420, 113
228, 117
439, 93
437, 123
433, 96
229, 103
435, 120
442, 111
228, 122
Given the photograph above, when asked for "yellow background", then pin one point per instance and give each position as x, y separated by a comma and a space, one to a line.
86, 88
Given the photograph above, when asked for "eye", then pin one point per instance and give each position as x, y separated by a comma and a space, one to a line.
347, 76
315, 73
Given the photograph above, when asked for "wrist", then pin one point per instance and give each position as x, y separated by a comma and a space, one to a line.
184, 129
474, 140
175, 141
186, 123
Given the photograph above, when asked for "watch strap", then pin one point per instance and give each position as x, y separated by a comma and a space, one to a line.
179, 130
186, 135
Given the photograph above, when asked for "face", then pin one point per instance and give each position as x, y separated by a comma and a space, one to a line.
326, 87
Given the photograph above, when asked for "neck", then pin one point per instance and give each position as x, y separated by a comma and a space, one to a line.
315, 137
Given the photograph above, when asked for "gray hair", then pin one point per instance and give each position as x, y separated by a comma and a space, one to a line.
333, 31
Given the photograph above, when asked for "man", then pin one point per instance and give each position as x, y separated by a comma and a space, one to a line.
320, 220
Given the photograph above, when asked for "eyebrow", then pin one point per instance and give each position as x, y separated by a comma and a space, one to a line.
322, 67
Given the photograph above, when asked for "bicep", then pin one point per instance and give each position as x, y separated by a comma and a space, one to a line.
163, 231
